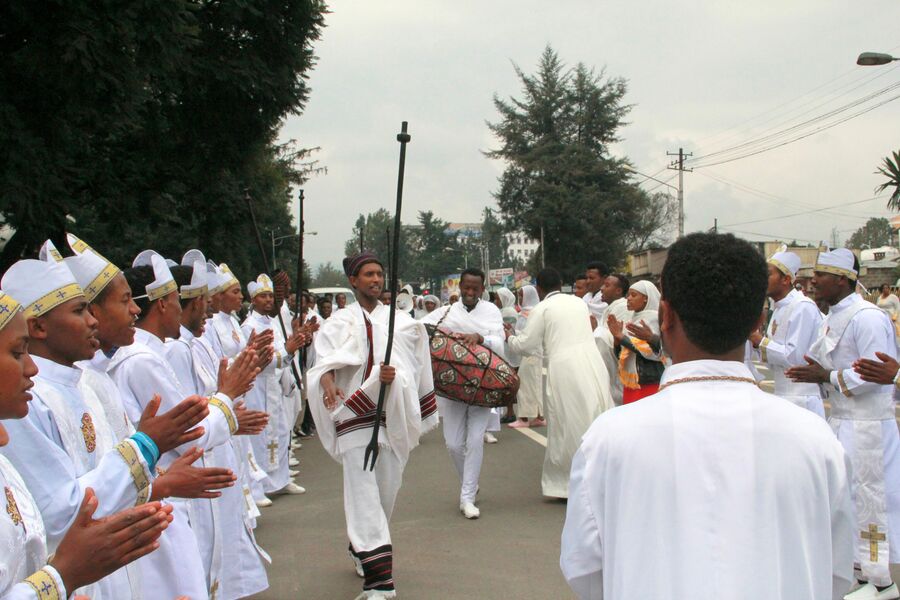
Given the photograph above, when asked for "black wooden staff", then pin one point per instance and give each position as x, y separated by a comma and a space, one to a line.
372, 448
265, 258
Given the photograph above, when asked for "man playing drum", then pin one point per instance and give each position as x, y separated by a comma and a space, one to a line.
474, 321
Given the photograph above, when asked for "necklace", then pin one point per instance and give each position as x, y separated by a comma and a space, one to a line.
708, 378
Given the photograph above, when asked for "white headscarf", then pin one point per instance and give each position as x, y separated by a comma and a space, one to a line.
530, 299
508, 305
649, 314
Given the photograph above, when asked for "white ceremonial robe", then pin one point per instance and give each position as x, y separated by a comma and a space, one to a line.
271, 447
793, 328
595, 304
709, 489
352, 344
65, 445
293, 395
577, 385
464, 424
140, 371
607, 345
24, 572
243, 571
223, 332
530, 398
862, 417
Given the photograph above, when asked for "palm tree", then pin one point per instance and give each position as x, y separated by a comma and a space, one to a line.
891, 170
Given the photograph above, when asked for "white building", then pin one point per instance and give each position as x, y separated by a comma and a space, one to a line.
521, 247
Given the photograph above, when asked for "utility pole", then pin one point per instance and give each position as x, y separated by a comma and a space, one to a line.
678, 165
835, 241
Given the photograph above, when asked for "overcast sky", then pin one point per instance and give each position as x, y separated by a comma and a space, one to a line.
705, 75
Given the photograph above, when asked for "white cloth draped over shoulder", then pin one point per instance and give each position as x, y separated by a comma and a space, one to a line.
576, 382
24, 571
793, 328
342, 346
681, 495
606, 344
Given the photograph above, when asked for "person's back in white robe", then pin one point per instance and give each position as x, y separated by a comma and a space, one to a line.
709, 489
577, 383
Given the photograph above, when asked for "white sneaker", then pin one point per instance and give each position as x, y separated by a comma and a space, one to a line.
294, 462
293, 472
264, 502
296, 445
489, 438
870, 592
292, 489
376, 595
469, 510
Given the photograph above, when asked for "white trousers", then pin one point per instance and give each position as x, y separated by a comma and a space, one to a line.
369, 496
464, 428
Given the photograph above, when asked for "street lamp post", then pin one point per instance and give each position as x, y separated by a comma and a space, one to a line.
276, 241
874, 59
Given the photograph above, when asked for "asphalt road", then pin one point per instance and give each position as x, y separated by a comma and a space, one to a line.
512, 551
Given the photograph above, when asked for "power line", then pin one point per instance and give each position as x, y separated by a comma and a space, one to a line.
793, 129
769, 235
801, 137
806, 212
772, 197
866, 79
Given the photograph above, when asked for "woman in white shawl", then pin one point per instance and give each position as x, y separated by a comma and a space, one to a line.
640, 360
530, 399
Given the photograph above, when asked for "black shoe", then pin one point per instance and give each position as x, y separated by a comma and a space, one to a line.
509, 419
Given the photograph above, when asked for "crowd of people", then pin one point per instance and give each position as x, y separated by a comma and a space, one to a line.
148, 414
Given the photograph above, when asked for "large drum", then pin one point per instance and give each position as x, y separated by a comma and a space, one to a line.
470, 374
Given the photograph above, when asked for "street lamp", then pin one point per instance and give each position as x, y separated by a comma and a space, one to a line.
874, 59
284, 237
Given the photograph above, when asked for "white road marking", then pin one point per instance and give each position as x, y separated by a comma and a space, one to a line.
534, 435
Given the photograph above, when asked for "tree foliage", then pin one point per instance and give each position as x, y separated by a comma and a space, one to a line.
891, 170
560, 175
328, 275
145, 122
874, 234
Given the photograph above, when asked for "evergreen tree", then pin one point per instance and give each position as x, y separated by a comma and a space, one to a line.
559, 172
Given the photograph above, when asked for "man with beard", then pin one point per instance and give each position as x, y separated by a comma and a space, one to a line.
473, 321
343, 388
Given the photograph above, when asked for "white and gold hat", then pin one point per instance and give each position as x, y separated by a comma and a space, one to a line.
228, 278
9, 307
786, 262
199, 285
40, 285
49, 252
837, 262
92, 270
262, 285
163, 283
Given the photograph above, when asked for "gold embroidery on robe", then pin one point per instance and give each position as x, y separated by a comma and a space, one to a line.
88, 433
12, 509
44, 585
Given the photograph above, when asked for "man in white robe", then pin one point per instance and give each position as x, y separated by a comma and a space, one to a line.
862, 416
141, 370
343, 392
710, 488
595, 274
89, 550
577, 386
474, 321
793, 328
272, 446
614, 290
237, 563
223, 334
64, 446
